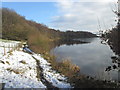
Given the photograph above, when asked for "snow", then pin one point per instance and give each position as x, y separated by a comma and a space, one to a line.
50, 75
18, 70
17, 74
8, 46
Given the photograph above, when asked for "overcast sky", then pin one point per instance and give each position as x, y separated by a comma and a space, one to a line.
84, 15
69, 15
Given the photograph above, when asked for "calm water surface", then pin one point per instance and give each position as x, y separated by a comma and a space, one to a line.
92, 58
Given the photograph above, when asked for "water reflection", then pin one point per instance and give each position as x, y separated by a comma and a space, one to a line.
86, 39
93, 58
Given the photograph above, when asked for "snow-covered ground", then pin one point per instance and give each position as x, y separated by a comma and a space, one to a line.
7, 45
18, 70
50, 75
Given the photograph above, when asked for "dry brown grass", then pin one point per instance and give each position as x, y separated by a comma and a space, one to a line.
17, 71
23, 62
2, 62
66, 67
7, 62
10, 52
38, 42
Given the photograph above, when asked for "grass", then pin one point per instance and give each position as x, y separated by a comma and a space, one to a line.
65, 67
7, 62
10, 52
23, 62
2, 62
17, 71
3, 40
39, 43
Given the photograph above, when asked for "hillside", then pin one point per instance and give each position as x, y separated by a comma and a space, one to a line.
16, 27
77, 34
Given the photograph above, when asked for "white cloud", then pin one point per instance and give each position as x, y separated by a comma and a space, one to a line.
83, 15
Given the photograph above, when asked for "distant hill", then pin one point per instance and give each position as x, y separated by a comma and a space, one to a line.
77, 34
16, 27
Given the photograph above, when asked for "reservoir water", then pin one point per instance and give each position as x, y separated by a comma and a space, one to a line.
93, 58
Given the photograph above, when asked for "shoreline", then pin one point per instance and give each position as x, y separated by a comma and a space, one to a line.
76, 79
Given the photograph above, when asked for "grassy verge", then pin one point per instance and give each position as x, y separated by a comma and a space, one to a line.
65, 67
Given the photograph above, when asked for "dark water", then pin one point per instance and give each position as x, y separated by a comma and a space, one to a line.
93, 58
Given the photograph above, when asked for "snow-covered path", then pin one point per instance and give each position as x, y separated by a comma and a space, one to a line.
50, 75
19, 70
